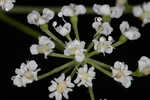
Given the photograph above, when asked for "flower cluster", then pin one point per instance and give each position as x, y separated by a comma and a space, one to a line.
76, 49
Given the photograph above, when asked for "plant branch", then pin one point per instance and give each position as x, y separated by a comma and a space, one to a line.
56, 70
91, 93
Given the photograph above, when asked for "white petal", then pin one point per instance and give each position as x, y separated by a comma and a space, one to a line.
79, 57
137, 11
132, 34
43, 40
107, 29
85, 68
34, 50
146, 7
124, 26
58, 96
117, 12
80, 9
33, 17
67, 11
48, 13
32, 65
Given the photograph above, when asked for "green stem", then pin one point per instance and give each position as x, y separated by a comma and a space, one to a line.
45, 29
74, 21
56, 70
74, 70
27, 30
91, 44
60, 55
91, 93
99, 68
68, 37
27, 9
100, 63
121, 41
93, 53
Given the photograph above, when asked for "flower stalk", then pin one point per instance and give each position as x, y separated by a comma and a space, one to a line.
91, 93
56, 70
121, 41
24, 28
45, 29
99, 68
74, 21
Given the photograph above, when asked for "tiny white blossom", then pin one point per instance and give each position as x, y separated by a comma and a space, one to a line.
73, 10
102, 9
132, 33
35, 18
143, 12
45, 46
76, 48
60, 87
102, 28
117, 11
63, 30
85, 76
26, 74
144, 65
103, 45
7, 5
120, 73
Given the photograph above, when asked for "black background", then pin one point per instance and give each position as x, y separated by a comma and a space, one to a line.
104, 87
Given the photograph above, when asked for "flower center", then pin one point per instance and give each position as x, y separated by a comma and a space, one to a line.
84, 76
43, 48
119, 75
145, 15
75, 50
61, 86
103, 45
29, 75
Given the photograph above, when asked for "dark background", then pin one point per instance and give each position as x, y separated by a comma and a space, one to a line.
104, 87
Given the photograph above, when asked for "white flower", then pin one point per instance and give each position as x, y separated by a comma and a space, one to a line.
62, 30
26, 74
142, 12
73, 10
117, 11
75, 48
131, 33
35, 18
45, 46
102, 9
85, 76
120, 73
103, 45
144, 65
60, 87
7, 5
102, 28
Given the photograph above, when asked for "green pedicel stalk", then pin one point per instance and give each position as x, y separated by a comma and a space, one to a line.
74, 21
45, 29
56, 70
24, 28
99, 68
100, 63
91, 93
60, 56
